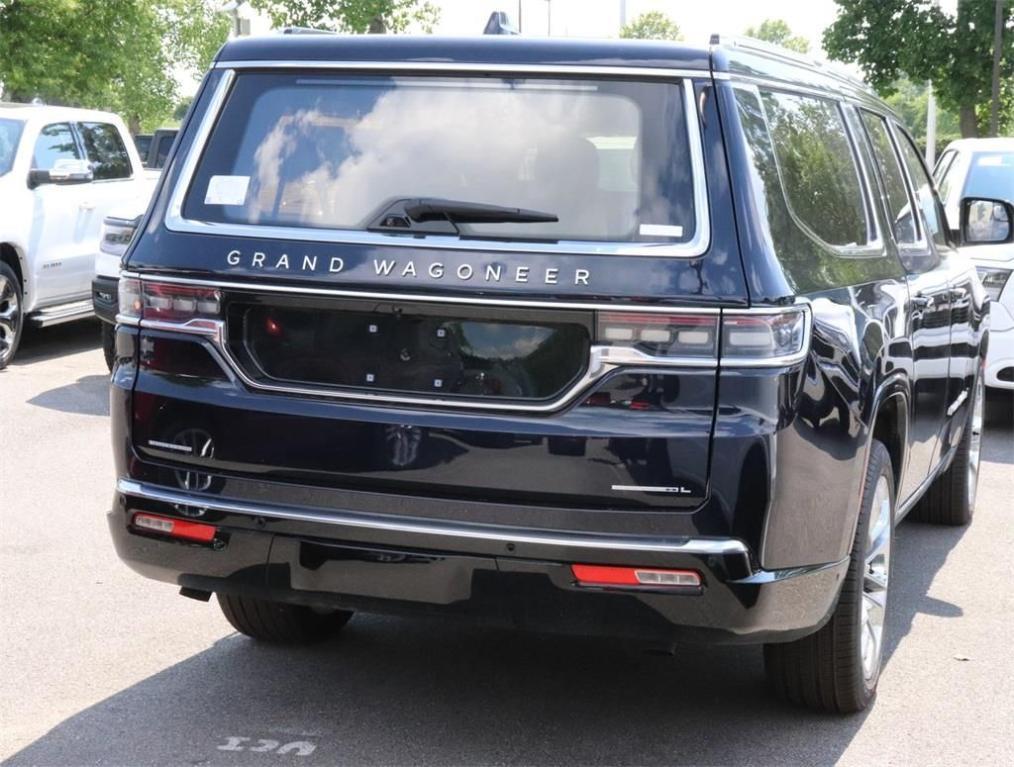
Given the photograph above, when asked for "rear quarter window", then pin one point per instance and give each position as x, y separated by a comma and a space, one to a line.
817, 168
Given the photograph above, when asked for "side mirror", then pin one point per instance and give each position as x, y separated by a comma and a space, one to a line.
63, 172
986, 222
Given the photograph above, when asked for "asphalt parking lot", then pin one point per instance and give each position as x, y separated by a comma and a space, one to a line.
99, 666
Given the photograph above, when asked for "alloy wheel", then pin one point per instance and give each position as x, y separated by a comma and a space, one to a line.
10, 317
975, 440
876, 575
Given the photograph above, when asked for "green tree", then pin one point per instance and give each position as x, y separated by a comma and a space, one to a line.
358, 16
778, 32
119, 55
888, 38
653, 25
911, 101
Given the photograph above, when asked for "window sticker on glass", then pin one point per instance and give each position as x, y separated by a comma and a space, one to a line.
660, 230
227, 190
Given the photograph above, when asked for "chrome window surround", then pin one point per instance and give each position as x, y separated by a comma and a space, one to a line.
874, 246
696, 246
479, 532
921, 244
602, 360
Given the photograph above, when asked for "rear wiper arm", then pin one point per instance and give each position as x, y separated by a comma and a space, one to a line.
436, 209
435, 215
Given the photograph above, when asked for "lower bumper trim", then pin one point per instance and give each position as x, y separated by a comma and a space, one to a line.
634, 544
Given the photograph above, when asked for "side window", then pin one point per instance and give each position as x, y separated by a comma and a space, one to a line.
106, 151
943, 163
817, 167
904, 225
923, 187
55, 143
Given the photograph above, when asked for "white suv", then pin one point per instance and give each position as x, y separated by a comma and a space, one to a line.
61, 172
983, 168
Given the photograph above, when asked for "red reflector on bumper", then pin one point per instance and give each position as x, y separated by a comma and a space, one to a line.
636, 577
175, 528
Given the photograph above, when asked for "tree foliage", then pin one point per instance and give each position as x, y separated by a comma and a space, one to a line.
911, 101
778, 32
653, 25
357, 16
123, 56
888, 38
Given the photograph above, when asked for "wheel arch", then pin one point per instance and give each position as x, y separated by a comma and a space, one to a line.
12, 256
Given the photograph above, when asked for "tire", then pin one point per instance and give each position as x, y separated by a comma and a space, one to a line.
12, 319
836, 669
279, 622
950, 500
109, 344
1000, 407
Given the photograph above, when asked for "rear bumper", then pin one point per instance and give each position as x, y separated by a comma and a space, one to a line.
105, 299
504, 575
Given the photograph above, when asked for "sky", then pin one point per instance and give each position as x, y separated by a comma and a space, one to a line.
698, 19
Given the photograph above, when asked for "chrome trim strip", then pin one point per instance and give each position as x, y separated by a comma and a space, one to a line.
475, 67
488, 300
957, 403
601, 361
696, 246
651, 489
700, 546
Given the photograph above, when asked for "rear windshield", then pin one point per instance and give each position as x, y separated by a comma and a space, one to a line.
608, 158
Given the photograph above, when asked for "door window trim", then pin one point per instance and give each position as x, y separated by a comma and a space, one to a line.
921, 245
698, 245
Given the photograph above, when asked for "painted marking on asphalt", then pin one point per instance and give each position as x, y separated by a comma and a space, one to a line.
267, 746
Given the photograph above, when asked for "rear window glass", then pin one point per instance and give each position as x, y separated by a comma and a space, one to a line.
608, 158
817, 168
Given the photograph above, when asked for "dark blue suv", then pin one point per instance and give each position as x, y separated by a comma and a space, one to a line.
618, 338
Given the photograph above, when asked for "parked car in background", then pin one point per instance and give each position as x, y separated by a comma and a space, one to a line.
116, 233
667, 354
154, 147
61, 172
984, 168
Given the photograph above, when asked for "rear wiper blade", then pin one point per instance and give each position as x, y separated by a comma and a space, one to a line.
435, 215
435, 209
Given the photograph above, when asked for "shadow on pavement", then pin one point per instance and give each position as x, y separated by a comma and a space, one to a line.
88, 396
46, 343
413, 691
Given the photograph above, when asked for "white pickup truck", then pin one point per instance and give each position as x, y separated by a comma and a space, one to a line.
62, 171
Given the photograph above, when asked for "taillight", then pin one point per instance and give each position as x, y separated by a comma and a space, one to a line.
168, 302
660, 335
116, 233
738, 337
183, 529
635, 577
763, 336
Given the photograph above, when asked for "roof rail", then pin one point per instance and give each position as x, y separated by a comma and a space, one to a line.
306, 31
770, 50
